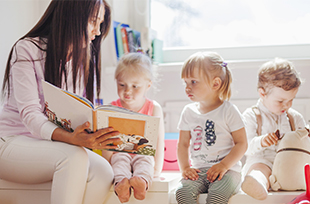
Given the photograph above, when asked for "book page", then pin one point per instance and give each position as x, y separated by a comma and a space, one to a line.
132, 128
63, 109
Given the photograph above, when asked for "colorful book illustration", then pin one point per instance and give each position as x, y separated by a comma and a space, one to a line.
138, 132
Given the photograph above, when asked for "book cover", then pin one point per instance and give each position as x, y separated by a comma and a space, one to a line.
125, 40
117, 26
137, 38
138, 132
157, 50
119, 41
131, 43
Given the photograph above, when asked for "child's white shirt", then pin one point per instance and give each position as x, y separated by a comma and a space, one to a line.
211, 138
270, 123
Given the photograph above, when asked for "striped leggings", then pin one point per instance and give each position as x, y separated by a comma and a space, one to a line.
218, 191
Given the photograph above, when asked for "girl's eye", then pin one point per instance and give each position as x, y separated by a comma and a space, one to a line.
134, 86
280, 101
194, 82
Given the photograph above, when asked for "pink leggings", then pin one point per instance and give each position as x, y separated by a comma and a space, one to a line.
126, 166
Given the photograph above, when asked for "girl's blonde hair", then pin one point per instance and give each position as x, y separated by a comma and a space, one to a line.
136, 63
278, 73
211, 65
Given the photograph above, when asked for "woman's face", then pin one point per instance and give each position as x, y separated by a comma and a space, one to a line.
94, 24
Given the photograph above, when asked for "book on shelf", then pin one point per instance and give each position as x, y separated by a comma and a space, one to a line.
157, 53
117, 27
137, 38
126, 39
131, 43
138, 132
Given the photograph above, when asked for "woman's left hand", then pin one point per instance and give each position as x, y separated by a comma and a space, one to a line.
81, 137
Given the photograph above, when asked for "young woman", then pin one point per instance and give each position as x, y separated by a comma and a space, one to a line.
63, 49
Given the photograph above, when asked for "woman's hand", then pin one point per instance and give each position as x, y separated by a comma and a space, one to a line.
81, 137
216, 172
269, 139
190, 173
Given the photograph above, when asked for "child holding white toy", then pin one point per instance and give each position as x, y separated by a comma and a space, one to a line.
212, 130
278, 84
134, 78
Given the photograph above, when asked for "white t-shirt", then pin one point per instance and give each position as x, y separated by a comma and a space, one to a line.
270, 123
211, 138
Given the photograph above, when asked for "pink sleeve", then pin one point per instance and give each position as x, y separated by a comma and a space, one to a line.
27, 74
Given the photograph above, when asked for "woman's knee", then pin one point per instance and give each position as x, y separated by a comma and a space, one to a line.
73, 158
100, 169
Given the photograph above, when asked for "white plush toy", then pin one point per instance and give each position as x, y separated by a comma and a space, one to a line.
292, 155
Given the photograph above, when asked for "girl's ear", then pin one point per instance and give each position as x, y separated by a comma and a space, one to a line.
216, 83
261, 93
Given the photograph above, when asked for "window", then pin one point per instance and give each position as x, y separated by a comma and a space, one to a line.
230, 23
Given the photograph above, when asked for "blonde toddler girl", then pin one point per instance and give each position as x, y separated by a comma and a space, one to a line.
212, 130
134, 78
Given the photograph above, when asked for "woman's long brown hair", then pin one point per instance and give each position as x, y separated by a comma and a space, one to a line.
63, 29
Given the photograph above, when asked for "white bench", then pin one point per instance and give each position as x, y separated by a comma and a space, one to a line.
15, 193
162, 191
242, 198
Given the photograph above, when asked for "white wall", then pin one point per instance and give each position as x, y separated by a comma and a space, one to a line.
17, 17
171, 88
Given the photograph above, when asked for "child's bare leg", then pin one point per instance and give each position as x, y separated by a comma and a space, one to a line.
256, 183
122, 190
139, 186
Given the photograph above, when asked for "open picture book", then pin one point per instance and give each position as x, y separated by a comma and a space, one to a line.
138, 132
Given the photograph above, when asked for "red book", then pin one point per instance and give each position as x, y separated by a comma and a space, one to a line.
125, 40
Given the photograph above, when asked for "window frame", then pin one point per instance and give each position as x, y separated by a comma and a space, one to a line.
248, 53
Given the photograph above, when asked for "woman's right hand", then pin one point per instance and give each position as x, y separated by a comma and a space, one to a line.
81, 137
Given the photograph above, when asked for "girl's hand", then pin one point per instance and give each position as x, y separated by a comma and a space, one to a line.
190, 173
216, 172
269, 140
97, 140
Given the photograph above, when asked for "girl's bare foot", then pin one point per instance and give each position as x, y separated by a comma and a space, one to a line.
139, 186
122, 190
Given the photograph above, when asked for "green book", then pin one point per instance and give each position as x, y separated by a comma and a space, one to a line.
119, 40
157, 50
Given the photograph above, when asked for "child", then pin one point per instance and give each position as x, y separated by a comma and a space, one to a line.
278, 83
134, 78
212, 129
